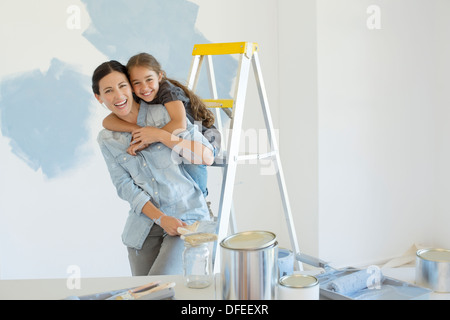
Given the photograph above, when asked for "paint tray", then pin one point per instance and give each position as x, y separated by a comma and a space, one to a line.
389, 289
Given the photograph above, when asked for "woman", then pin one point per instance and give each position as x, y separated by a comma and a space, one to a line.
162, 195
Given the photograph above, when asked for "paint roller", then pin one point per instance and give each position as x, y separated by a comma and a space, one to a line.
352, 282
355, 281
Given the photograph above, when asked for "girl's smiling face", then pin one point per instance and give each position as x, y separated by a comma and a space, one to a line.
116, 94
145, 82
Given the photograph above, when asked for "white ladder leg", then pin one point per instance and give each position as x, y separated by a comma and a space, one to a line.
214, 95
274, 147
233, 147
194, 72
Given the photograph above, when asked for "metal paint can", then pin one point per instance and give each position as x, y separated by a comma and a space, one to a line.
298, 287
433, 269
249, 269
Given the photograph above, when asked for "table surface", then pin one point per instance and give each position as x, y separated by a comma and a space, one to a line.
55, 289
407, 274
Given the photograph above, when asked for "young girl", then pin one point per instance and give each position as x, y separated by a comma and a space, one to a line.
151, 85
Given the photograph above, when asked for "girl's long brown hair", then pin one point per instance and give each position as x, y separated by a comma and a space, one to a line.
199, 110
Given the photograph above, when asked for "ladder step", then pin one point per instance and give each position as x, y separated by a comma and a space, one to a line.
210, 49
224, 104
219, 103
256, 156
221, 160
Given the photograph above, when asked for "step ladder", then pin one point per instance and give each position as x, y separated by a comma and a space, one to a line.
234, 108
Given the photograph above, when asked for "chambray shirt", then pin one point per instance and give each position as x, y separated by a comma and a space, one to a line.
155, 174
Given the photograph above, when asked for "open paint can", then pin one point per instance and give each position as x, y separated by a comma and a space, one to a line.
249, 267
298, 287
433, 269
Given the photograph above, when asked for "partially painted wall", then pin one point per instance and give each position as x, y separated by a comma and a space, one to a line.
54, 184
46, 123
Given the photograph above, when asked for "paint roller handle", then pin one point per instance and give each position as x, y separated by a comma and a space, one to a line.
313, 261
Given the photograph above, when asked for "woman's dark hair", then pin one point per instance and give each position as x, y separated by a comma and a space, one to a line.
103, 70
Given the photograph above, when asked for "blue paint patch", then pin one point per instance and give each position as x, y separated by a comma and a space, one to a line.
165, 29
44, 115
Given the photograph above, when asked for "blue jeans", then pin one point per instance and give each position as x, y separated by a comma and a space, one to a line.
199, 174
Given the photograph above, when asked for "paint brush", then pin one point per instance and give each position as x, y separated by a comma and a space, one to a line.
142, 291
135, 290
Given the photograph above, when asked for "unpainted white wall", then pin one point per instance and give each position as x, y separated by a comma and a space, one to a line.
381, 129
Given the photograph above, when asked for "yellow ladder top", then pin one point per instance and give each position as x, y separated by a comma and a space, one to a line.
224, 48
218, 103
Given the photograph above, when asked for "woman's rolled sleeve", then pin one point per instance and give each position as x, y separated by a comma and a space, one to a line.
124, 183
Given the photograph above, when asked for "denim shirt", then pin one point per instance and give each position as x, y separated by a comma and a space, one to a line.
155, 174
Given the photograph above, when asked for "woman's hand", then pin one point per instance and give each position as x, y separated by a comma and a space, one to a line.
133, 148
171, 224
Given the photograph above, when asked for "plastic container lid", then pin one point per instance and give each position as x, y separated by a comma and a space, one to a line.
299, 281
249, 240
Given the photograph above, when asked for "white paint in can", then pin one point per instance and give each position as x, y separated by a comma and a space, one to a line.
298, 287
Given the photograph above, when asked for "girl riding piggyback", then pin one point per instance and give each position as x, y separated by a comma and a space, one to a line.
151, 85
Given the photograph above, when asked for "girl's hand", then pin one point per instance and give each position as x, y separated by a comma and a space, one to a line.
146, 135
142, 138
171, 224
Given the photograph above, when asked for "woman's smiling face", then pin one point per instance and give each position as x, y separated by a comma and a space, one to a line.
116, 94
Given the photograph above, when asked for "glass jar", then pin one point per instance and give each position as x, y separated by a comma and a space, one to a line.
197, 270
